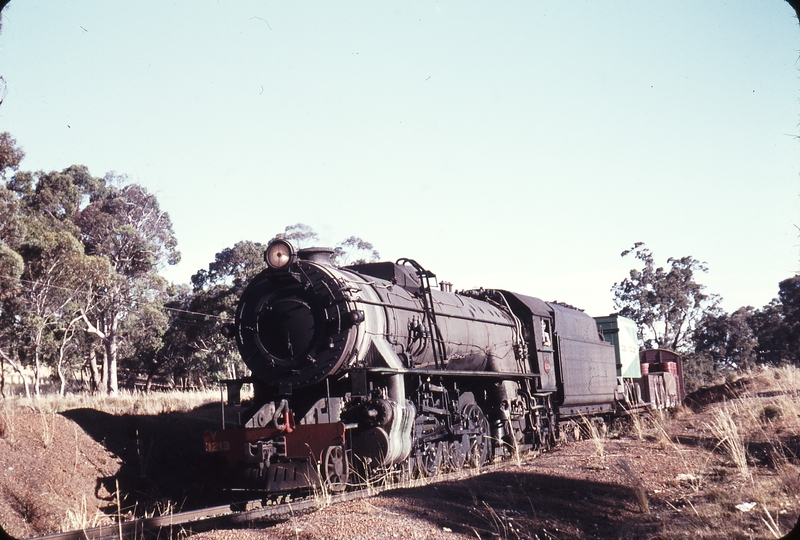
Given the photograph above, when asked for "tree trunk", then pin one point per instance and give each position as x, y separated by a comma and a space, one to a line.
104, 375
62, 379
18, 368
111, 355
107, 332
25, 383
95, 371
2, 377
37, 366
37, 362
151, 374
62, 351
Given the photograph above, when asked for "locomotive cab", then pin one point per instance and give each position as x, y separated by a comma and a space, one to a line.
537, 318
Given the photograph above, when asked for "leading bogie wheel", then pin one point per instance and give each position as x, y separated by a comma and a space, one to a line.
335, 469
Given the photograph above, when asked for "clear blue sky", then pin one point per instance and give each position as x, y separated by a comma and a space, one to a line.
519, 145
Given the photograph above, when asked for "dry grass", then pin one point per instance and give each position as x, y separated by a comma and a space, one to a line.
757, 434
638, 424
48, 425
636, 484
596, 434
6, 422
124, 402
82, 518
726, 431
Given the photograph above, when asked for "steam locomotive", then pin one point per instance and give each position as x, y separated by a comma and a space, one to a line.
370, 367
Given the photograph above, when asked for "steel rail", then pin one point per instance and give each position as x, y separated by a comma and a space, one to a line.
194, 521
182, 524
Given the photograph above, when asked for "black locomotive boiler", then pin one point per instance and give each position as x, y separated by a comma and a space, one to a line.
369, 368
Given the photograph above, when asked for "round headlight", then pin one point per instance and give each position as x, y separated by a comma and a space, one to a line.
279, 255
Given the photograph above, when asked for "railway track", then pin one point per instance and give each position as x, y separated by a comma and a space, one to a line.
241, 514
194, 521
249, 512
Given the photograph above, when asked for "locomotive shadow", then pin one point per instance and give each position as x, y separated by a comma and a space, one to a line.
163, 468
527, 505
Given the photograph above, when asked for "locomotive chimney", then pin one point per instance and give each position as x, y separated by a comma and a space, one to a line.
321, 255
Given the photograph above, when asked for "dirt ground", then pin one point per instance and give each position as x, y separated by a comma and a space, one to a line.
653, 479
51, 475
85, 468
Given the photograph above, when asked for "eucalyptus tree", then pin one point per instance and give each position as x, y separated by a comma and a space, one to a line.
298, 234
668, 304
55, 284
789, 297
232, 267
196, 348
354, 250
12, 232
11, 155
55, 276
78, 255
125, 225
143, 333
727, 340
12, 229
777, 325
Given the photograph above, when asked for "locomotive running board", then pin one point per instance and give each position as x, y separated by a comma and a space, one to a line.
447, 373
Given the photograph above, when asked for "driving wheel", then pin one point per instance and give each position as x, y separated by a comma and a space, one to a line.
477, 426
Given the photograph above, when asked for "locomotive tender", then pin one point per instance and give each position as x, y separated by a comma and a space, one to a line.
369, 368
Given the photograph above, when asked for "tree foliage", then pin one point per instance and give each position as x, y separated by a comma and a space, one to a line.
232, 266
53, 278
80, 293
196, 349
126, 226
673, 311
354, 250
298, 234
749, 336
728, 340
777, 325
79, 262
666, 304
10, 154
12, 232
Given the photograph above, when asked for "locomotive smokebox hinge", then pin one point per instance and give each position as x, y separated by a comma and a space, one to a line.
356, 317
